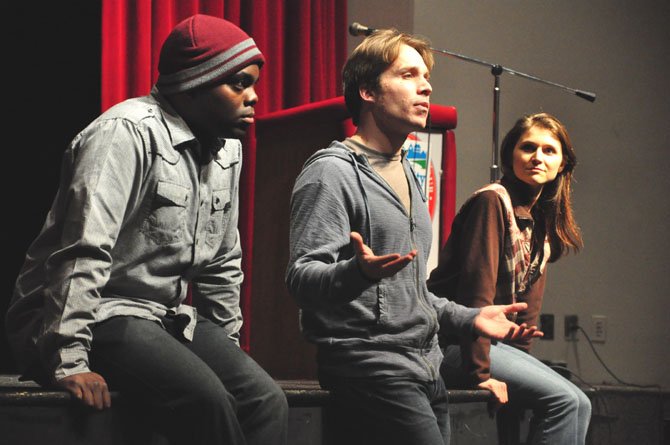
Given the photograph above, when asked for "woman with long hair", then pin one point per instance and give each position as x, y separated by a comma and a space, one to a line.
500, 243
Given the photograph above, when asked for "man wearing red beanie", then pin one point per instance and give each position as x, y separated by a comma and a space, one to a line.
148, 207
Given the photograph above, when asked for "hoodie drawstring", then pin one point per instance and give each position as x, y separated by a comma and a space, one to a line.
368, 238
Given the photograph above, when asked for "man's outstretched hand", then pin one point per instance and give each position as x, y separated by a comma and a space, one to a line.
377, 267
493, 323
88, 387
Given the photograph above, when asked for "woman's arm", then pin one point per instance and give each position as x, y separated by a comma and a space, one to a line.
476, 245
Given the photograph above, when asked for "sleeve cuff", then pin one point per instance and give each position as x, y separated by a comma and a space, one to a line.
69, 361
349, 279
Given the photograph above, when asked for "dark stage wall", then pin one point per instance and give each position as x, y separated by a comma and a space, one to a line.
52, 67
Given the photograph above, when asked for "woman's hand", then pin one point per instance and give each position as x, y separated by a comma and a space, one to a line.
499, 390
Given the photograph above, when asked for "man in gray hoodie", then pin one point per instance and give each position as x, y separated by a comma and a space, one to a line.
359, 240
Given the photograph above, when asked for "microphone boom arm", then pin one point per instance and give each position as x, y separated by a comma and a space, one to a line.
497, 70
591, 97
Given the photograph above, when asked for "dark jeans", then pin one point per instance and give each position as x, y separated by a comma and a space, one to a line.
207, 391
388, 411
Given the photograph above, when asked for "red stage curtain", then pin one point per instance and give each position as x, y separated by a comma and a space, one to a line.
304, 42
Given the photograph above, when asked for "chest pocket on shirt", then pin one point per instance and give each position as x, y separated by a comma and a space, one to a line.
166, 221
219, 217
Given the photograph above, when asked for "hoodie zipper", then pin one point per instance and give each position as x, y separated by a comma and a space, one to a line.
432, 319
423, 303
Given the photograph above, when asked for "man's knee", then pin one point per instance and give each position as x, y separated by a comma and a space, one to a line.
278, 398
209, 396
271, 397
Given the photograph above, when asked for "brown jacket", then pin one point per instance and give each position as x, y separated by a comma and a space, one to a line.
471, 268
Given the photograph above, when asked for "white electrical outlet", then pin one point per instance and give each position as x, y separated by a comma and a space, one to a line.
599, 324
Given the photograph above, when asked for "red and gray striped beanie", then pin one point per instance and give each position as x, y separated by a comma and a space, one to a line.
202, 50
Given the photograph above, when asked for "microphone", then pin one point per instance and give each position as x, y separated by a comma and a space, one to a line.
356, 29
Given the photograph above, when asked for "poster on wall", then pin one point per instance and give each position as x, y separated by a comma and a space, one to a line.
424, 152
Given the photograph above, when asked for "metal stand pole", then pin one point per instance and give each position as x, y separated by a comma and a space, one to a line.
495, 162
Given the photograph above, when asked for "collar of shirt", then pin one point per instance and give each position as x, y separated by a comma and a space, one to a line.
180, 134
519, 202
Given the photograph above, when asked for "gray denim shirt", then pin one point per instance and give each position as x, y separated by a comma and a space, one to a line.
135, 220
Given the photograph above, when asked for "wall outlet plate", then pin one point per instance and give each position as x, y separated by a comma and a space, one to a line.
599, 331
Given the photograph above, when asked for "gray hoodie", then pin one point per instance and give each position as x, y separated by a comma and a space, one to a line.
364, 328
